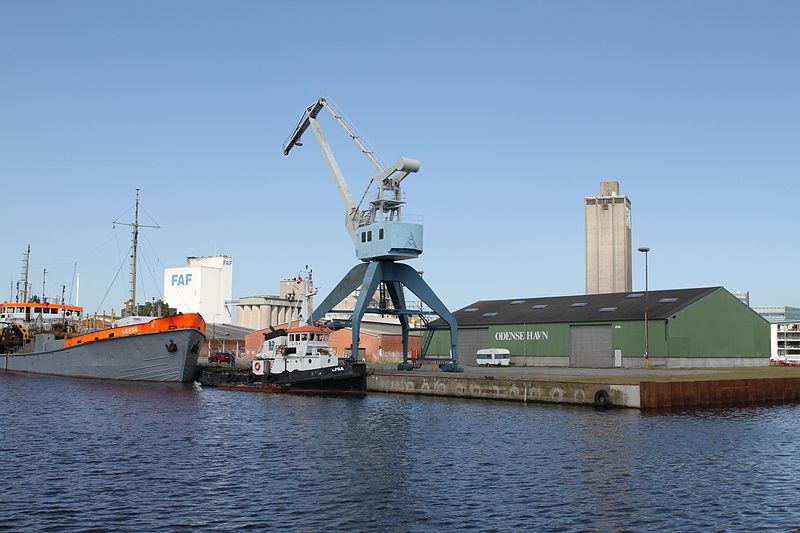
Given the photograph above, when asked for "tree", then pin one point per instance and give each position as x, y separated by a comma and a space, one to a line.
156, 308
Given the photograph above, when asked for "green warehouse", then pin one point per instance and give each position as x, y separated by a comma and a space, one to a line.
703, 327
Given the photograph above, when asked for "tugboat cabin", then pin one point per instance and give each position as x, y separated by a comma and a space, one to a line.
302, 348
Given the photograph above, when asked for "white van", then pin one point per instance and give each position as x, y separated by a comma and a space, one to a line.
493, 357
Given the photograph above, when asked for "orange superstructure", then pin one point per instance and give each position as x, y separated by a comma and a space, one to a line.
187, 321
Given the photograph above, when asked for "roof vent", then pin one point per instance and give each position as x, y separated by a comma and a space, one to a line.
471, 310
607, 309
635, 295
667, 300
578, 304
517, 302
539, 306
489, 314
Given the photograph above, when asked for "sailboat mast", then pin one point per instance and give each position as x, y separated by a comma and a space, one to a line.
134, 253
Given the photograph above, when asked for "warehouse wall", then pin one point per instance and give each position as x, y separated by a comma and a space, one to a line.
719, 325
718, 330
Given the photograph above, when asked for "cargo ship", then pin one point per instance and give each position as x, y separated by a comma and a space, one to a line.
161, 349
39, 337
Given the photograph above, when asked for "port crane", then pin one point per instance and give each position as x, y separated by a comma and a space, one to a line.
382, 237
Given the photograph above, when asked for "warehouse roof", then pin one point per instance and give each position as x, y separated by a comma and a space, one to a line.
580, 308
228, 332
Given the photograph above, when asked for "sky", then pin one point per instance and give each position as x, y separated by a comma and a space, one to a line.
516, 110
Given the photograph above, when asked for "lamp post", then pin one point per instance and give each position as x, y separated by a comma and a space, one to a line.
645, 250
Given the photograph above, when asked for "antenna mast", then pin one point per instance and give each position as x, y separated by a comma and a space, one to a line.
130, 305
26, 262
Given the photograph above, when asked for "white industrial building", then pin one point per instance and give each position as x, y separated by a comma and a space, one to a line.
203, 286
263, 311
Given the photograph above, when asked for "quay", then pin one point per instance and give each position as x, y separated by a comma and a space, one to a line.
619, 387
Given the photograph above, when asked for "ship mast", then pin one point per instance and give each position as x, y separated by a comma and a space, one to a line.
135, 252
130, 305
26, 263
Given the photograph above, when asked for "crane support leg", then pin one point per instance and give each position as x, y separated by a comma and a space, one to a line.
402, 273
399, 302
372, 279
349, 283
395, 275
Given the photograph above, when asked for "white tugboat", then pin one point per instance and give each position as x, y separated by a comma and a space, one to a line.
296, 358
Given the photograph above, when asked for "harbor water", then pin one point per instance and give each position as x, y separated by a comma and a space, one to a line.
101, 456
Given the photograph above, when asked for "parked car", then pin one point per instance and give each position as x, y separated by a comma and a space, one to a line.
222, 357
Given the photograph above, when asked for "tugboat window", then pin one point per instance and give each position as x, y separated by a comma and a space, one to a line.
380, 233
369, 236
363, 236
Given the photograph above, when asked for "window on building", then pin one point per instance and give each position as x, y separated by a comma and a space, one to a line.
489, 314
635, 295
539, 306
471, 310
607, 309
517, 302
667, 300
578, 304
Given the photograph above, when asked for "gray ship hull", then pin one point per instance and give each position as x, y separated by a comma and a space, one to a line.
142, 357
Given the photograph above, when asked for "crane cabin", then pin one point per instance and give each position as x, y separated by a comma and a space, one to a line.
389, 240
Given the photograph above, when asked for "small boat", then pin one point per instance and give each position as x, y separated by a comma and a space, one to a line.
295, 359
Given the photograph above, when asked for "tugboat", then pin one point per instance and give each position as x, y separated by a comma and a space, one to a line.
295, 359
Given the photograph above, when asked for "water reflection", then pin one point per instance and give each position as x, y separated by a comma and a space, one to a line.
84, 454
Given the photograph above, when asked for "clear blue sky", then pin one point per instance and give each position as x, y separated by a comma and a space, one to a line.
517, 111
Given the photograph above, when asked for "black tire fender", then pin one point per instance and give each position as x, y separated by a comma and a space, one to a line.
602, 398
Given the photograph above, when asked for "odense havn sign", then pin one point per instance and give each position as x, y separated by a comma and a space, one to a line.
521, 336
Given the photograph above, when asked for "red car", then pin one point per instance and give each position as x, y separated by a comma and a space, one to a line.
222, 357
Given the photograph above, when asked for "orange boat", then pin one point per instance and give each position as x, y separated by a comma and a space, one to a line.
161, 349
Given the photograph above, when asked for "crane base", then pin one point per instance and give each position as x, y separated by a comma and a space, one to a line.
452, 367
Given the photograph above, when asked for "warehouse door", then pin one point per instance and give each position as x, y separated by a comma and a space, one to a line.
591, 347
469, 342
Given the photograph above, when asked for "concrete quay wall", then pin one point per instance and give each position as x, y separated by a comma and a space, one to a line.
500, 388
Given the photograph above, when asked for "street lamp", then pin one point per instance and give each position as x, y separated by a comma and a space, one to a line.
645, 250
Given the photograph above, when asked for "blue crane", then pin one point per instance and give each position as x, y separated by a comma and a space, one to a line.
382, 238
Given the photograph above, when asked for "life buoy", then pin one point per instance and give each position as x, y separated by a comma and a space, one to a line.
257, 366
281, 348
601, 398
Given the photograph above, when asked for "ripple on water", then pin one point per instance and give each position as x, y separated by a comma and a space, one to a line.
84, 456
